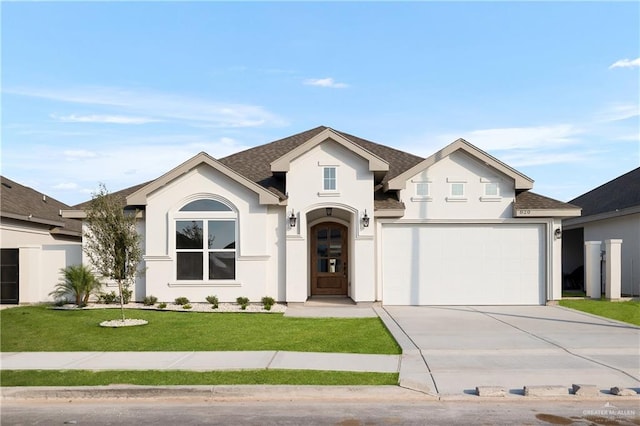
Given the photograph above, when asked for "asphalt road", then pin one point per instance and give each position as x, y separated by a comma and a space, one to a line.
603, 411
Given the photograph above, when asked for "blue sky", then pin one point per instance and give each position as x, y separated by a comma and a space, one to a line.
121, 93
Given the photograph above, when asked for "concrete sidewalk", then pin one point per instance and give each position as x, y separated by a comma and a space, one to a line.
199, 361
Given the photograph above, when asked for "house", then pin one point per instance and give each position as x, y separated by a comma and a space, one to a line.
36, 243
610, 211
326, 213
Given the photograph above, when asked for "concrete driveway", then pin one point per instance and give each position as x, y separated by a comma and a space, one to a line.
517, 346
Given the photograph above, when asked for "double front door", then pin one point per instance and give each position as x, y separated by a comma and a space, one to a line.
329, 261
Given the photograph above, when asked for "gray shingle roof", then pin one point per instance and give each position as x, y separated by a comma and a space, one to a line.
620, 193
23, 203
528, 200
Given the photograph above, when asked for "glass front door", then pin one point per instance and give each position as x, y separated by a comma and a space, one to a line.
329, 244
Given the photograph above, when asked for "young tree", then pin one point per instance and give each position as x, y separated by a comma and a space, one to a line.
112, 243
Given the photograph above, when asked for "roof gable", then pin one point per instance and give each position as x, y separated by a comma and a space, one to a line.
522, 182
376, 164
620, 193
139, 197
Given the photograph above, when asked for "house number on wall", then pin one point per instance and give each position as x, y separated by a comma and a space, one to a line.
524, 212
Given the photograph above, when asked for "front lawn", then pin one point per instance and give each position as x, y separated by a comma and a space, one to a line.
172, 377
39, 328
628, 311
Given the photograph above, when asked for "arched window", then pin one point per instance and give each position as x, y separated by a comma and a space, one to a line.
205, 241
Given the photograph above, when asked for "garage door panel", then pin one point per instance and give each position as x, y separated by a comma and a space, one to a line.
445, 264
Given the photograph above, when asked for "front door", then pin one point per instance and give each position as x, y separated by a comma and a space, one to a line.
329, 243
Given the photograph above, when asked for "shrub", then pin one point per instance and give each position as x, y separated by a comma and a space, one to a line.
243, 302
213, 300
268, 302
108, 298
150, 300
187, 306
162, 305
181, 301
78, 282
126, 295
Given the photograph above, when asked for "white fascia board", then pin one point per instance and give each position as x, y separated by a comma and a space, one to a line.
139, 198
32, 219
546, 212
521, 181
388, 213
376, 164
73, 214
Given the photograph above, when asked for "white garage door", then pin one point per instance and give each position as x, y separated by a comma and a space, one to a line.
452, 264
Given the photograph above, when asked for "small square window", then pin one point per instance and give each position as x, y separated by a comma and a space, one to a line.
422, 189
457, 189
329, 179
491, 189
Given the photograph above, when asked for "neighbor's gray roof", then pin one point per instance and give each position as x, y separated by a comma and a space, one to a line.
26, 204
620, 193
528, 200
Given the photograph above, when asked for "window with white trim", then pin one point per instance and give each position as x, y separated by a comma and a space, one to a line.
329, 181
205, 241
457, 190
422, 189
491, 189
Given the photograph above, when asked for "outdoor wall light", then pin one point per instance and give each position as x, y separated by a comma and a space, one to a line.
292, 219
365, 219
329, 211
557, 233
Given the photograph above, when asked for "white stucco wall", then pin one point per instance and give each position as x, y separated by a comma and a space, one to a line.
626, 228
41, 256
258, 232
353, 195
458, 168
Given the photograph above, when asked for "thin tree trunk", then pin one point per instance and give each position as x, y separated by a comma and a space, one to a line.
121, 299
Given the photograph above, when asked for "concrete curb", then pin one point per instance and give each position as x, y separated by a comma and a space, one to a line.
218, 393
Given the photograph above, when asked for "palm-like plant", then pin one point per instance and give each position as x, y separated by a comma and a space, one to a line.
77, 281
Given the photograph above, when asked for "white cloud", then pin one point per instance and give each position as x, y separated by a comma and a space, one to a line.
107, 119
78, 153
66, 186
509, 138
619, 112
160, 106
625, 63
325, 82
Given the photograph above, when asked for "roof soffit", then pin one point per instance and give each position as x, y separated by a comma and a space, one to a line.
376, 164
140, 196
522, 182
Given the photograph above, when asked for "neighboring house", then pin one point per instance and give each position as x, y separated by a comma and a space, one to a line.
326, 213
36, 243
610, 211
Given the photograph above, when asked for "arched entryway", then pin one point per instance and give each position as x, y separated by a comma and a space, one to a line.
329, 259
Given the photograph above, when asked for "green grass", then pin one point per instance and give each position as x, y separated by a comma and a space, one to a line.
162, 378
622, 311
38, 328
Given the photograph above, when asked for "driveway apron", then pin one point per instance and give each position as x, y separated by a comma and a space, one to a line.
516, 346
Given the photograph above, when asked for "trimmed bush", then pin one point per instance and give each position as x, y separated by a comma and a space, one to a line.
181, 301
243, 302
150, 300
214, 301
268, 302
162, 305
187, 306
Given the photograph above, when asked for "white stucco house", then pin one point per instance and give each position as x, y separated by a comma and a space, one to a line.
36, 243
610, 211
327, 213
